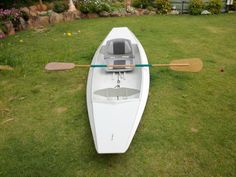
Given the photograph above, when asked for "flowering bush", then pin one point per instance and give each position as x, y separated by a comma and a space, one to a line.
10, 14
91, 6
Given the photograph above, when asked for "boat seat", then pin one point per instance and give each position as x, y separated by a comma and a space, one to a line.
117, 92
118, 52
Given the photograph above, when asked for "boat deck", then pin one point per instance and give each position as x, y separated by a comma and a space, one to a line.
112, 82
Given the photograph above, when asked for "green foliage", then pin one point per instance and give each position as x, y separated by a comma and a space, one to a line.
60, 6
163, 6
94, 6
142, 3
214, 6
196, 7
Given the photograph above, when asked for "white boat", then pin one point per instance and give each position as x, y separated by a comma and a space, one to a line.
116, 96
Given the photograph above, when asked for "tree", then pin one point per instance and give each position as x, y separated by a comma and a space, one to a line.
41, 4
71, 6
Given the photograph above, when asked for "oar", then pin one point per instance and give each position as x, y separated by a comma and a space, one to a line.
185, 65
5, 68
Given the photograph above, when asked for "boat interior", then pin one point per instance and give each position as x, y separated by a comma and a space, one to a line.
117, 83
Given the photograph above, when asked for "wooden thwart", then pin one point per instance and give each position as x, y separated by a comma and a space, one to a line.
184, 65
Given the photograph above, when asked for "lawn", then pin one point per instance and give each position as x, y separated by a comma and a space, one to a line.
188, 127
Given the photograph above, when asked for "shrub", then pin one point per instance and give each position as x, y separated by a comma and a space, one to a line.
196, 7
214, 6
163, 6
60, 6
142, 3
91, 6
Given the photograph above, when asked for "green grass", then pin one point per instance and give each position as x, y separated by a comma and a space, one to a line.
188, 127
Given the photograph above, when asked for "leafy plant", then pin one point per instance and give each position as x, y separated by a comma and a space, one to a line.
60, 6
214, 6
163, 6
196, 7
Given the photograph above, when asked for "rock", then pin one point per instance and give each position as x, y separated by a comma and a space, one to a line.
33, 8
43, 13
128, 14
104, 14
205, 12
92, 15
2, 35
38, 21
115, 14
139, 11
9, 28
50, 6
173, 8
22, 25
146, 12
33, 11
152, 13
55, 18
43, 20
26, 10
174, 12
42, 7
136, 12
83, 15
69, 16
130, 9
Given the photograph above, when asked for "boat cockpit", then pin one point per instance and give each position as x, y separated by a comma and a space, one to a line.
118, 52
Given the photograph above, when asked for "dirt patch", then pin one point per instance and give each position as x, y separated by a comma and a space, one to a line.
6, 121
60, 110
177, 41
78, 88
194, 130
215, 30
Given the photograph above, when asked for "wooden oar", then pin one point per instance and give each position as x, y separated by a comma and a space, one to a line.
184, 65
5, 68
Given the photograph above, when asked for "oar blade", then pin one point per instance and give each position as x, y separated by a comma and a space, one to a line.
59, 66
187, 65
5, 68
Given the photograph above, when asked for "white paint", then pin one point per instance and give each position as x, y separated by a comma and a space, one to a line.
114, 121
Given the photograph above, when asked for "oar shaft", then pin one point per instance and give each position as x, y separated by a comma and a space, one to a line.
130, 65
